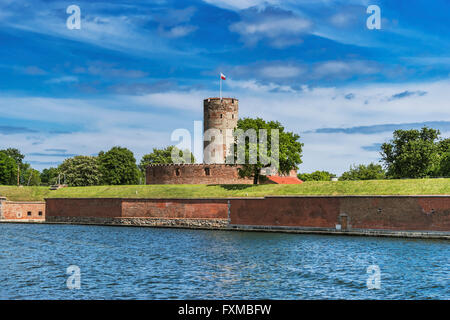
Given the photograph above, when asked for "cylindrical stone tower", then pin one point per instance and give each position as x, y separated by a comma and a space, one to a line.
221, 115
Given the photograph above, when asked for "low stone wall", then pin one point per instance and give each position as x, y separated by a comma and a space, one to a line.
144, 222
21, 210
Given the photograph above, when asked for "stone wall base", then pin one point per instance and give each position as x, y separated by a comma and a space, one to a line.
354, 232
142, 222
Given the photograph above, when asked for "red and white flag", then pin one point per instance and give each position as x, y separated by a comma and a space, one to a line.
222, 76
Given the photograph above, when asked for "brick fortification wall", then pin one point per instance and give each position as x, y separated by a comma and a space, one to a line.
194, 174
410, 216
21, 211
195, 213
396, 213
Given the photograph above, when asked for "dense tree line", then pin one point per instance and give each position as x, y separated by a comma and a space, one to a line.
409, 154
316, 176
114, 167
416, 154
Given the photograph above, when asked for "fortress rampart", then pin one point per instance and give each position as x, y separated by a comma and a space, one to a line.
399, 216
21, 210
194, 174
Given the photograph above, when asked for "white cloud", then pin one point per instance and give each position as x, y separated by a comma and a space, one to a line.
179, 31
64, 79
281, 28
255, 86
281, 71
239, 4
123, 33
343, 69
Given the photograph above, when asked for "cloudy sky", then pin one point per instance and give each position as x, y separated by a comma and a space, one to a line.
137, 70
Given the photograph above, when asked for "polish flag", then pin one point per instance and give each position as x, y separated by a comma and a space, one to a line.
222, 76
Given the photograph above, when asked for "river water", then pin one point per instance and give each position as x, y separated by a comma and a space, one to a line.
153, 263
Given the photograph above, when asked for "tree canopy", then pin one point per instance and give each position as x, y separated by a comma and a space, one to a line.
8, 170
364, 172
414, 153
79, 171
49, 176
164, 156
289, 151
118, 167
316, 176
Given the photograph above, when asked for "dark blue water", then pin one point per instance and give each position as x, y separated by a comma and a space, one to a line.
148, 263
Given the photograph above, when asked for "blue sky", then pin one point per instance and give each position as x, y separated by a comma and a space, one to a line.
137, 70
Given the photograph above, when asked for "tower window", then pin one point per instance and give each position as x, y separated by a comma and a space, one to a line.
232, 116
220, 116
29, 213
207, 171
40, 213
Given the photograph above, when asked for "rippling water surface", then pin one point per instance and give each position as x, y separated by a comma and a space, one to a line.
149, 263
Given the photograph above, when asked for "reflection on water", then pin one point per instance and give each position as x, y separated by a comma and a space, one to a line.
147, 263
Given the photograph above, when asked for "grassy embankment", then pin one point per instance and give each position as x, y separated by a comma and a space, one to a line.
373, 187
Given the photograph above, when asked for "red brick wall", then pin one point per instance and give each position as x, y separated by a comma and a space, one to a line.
176, 208
371, 212
22, 210
150, 208
194, 174
295, 212
104, 208
398, 213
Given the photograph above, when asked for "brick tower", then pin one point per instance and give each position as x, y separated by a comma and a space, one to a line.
222, 115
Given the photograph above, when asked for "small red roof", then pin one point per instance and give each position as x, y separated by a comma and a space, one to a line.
284, 180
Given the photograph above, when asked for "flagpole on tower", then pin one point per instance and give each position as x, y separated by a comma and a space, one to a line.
222, 77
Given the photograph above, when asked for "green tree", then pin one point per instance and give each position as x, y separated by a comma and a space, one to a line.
363, 172
80, 171
15, 154
31, 177
411, 153
164, 156
289, 151
316, 176
118, 167
49, 176
444, 158
444, 167
8, 170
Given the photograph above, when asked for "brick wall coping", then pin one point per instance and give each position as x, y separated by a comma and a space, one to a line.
218, 98
25, 202
256, 198
152, 199
363, 196
189, 164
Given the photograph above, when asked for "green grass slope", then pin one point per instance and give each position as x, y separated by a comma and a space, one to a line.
372, 187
